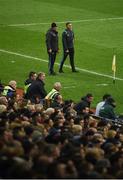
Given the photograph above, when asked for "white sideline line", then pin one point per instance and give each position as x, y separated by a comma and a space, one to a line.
62, 22
46, 61
67, 87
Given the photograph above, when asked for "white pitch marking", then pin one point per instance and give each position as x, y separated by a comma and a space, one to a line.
62, 22
12, 61
102, 84
46, 61
67, 87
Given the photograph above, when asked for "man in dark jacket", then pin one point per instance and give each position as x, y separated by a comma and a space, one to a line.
36, 91
52, 46
84, 103
107, 110
68, 47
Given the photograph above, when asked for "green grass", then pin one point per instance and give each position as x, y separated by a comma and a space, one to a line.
95, 42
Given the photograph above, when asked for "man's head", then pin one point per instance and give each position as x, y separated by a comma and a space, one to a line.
57, 86
106, 96
54, 26
3, 101
69, 25
89, 97
41, 76
111, 101
32, 75
13, 84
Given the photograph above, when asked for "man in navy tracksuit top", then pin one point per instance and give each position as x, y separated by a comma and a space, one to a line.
68, 47
52, 46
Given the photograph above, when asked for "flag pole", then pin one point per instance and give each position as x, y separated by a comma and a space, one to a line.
114, 77
114, 65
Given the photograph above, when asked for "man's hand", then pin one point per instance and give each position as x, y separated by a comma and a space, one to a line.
50, 50
67, 51
58, 50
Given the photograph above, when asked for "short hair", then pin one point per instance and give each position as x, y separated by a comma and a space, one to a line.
106, 96
31, 73
3, 99
68, 23
40, 74
57, 85
89, 95
12, 83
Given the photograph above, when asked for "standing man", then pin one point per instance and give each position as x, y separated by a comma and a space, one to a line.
68, 47
52, 46
36, 91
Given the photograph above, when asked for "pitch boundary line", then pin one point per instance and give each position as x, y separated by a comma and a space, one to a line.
67, 66
62, 22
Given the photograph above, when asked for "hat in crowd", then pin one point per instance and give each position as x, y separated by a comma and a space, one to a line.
53, 25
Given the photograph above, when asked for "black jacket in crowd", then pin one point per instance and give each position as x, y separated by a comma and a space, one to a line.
82, 105
36, 89
107, 111
52, 40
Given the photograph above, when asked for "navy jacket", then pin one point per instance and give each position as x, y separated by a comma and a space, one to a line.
67, 39
36, 89
52, 40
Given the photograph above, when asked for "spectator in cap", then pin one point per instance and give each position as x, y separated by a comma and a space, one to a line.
52, 46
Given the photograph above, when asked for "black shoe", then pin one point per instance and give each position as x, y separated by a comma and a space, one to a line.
75, 70
61, 71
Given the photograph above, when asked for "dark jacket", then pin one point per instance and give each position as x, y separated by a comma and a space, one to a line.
52, 40
107, 111
67, 39
36, 89
82, 105
28, 81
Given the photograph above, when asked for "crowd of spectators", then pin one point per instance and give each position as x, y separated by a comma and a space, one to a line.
60, 139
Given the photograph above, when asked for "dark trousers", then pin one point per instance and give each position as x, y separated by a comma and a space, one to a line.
71, 56
52, 58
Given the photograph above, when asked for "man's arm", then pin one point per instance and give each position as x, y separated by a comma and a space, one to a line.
48, 41
64, 40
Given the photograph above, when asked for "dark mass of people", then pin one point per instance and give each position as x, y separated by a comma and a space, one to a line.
44, 136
